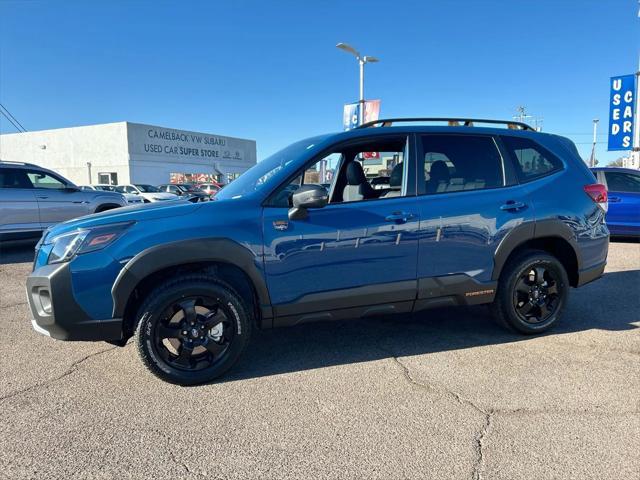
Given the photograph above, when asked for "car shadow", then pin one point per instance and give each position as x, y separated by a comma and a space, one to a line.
604, 305
17, 252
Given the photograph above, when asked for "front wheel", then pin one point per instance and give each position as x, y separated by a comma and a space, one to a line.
192, 329
532, 293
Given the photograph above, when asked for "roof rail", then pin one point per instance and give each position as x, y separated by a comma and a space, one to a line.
453, 122
13, 162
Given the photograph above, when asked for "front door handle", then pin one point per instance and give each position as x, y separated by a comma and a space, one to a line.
42, 196
512, 206
615, 199
399, 217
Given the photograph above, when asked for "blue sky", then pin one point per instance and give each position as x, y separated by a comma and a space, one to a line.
270, 70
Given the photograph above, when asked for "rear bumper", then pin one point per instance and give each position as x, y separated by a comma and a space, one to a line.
56, 313
590, 274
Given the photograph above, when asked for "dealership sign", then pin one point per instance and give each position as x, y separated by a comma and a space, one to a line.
621, 112
351, 113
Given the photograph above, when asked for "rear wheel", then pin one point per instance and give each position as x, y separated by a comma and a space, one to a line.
532, 293
192, 329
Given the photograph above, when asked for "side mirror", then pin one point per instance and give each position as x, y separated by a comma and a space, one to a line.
307, 196
71, 189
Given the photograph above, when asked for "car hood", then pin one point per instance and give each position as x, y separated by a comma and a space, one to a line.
133, 213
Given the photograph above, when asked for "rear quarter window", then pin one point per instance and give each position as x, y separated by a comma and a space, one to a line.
531, 160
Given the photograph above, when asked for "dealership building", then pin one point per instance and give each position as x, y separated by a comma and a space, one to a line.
124, 152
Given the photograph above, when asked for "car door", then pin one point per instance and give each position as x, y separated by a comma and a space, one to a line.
469, 200
623, 216
346, 259
56, 202
19, 215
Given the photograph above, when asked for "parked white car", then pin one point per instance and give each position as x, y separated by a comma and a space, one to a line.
129, 197
149, 193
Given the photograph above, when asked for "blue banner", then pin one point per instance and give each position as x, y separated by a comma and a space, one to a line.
350, 115
621, 110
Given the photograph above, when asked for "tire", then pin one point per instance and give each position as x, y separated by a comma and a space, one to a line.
185, 309
532, 292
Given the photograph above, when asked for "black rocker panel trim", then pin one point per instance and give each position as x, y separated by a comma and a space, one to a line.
367, 295
458, 289
183, 252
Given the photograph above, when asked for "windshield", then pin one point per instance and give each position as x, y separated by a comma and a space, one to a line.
262, 173
147, 188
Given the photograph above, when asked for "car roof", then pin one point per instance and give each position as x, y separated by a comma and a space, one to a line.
615, 169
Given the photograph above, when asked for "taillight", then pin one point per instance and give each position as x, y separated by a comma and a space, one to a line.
597, 192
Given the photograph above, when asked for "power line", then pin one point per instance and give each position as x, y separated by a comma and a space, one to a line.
10, 121
11, 118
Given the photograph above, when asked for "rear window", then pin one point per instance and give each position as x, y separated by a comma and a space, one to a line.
460, 162
14, 178
531, 160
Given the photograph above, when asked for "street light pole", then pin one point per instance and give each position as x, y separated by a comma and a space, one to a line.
592, 160
362, 60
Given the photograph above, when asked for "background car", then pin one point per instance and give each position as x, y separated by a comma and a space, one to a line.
210, 188
129, 197
186, 190
623, 185
33, 198
149, 193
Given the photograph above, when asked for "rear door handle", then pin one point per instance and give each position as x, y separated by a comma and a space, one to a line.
42, 196
615, 199
512, 206
399, 217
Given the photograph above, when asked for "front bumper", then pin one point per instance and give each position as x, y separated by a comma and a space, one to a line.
56, 313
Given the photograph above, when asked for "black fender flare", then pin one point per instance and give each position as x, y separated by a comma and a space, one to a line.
183, 252
530, 231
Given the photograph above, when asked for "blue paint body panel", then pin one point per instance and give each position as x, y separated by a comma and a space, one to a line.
349, 253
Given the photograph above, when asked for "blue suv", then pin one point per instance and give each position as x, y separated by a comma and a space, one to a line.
393, 217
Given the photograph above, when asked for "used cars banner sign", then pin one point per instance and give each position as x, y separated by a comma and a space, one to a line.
621, 109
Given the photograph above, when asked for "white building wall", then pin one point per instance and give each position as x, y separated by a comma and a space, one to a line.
156, 152
67, 150
137, 153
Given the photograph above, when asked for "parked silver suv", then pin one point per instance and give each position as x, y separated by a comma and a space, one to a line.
33, 198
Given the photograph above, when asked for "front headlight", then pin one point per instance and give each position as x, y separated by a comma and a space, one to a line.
68, 245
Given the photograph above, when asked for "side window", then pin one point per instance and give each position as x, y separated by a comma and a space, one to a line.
622, 182
369, 170
532, 161
322, 172
14, 178
461, 162
44, 180
129, 189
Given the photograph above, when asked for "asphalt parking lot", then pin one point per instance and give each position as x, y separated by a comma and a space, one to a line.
447, 394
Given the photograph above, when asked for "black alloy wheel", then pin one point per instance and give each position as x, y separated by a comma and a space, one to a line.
193, 333
192, 329
536, 295
532, 292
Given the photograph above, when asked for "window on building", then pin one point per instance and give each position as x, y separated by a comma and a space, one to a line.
532, 161
108, 178
460, 162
